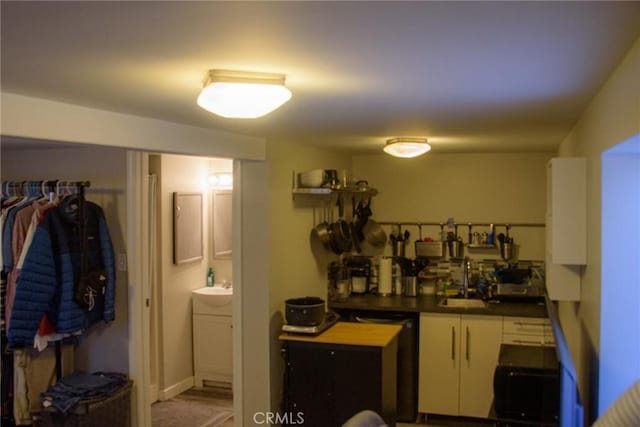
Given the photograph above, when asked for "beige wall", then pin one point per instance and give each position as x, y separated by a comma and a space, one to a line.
295, 267
105, 346
482, 188
610, 118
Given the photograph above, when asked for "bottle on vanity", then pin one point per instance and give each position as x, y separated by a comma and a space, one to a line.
210, 277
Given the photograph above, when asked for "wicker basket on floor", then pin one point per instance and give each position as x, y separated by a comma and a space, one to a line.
113, 411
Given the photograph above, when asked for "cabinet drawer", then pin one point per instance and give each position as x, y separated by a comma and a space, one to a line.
523, 339
525, 325
527, 331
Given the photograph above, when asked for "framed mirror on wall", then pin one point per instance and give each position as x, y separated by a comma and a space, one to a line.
187, 227
222, 221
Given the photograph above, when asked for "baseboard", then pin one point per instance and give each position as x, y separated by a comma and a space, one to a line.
176, 389
153, 393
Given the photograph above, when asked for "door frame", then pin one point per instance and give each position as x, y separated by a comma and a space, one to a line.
251, 377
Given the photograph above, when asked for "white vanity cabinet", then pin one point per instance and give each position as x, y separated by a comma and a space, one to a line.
212, 336
212, 345
458, 355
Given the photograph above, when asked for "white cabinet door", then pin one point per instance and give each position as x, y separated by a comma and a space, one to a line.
567, 210
439, 366
566, 227
480, 340
213, 348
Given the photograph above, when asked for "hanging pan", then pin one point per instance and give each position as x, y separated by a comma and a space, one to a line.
323, 229
342, 230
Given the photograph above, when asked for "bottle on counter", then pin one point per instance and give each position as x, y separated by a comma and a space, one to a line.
210, 278
491, 236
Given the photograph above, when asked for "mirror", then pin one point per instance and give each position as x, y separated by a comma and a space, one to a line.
187, 227
222, 223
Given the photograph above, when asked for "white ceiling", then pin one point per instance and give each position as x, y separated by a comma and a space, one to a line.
471, 76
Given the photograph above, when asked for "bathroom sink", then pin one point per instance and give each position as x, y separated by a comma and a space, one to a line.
214, 300
214, 290
462, 303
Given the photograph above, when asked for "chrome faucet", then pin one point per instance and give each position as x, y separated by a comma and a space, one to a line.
226, 284
465, 279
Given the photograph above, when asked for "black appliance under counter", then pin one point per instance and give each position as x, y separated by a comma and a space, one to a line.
526, 386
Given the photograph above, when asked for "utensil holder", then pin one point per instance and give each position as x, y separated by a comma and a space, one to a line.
410, 285
506, 251
456, 249
398, 248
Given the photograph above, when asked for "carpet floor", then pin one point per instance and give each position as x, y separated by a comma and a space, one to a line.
194, 408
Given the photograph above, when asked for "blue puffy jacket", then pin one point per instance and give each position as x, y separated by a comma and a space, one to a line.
51, 269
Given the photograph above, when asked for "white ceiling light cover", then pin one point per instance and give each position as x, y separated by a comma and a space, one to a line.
242, 94
406, 147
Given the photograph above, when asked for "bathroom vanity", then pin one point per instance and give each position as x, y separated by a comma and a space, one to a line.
212, 335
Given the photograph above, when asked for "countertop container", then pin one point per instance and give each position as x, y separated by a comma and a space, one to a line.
306, 311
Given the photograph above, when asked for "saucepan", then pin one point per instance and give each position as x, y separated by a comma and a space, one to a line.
374, 233
323, 230
342, 231
305, 311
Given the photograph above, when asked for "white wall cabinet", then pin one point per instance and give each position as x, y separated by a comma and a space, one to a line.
458, 355
566, 227
212, 348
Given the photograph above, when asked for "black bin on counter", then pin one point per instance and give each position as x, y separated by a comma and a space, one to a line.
526, 386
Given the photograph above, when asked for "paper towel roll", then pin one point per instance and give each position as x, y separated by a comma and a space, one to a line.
384, 280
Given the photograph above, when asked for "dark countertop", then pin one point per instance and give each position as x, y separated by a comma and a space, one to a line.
429, 304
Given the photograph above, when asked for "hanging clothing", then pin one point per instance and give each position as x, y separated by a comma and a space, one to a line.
23, 221
7, 254
52, 267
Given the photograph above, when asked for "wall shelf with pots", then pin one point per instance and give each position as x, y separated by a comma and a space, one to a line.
323, 184
326, 192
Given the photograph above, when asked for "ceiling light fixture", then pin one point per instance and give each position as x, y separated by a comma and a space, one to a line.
406, 147
242, 94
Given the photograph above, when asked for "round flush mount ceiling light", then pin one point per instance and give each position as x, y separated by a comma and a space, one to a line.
406, 147
242, 94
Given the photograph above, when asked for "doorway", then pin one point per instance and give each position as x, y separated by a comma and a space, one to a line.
179, 357
251, 291
620, 293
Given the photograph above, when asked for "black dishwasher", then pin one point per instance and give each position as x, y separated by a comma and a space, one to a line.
407, 373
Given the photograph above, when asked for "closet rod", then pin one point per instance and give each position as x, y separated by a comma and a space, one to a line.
23, 188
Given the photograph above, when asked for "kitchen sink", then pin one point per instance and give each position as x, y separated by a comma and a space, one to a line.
462, 303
